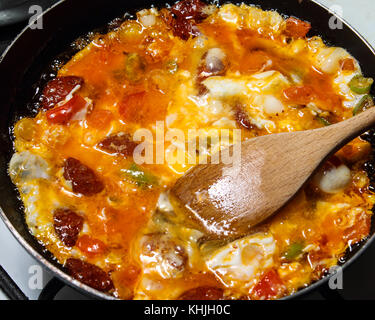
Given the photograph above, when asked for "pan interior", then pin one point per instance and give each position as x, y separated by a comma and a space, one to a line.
38, 52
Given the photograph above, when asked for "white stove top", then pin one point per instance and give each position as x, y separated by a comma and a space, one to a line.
18, 263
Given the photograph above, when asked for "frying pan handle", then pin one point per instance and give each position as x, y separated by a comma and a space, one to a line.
9, 287
13, 292
52, 288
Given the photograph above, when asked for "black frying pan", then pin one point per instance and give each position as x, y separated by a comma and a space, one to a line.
32, 53
14, 11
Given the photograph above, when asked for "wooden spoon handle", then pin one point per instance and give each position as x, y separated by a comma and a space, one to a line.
347, 130
227, 200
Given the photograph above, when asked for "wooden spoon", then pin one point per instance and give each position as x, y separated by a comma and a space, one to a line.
225, 200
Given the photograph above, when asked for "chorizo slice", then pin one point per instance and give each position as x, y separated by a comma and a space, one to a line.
89, 274
203, 293
189, 9
66, 112
187, 14
213, 63
58, 89
83, 179
120, 143
68, 225
242, 118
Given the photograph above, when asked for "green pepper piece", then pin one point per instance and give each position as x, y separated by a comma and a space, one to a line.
323, 121
294, 250
140, 177
134, 67
361, 85
363, 104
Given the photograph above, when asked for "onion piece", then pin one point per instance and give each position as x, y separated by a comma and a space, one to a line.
148, 20
272, 105
215, 60
334, 179
328, 59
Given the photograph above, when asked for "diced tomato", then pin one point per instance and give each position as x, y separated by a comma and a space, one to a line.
144, 107
91, 246
100, 119
62, 114
270, 286
347, 64
131, 103
360, 230
297, 28
356, 150
299, 94
129, 275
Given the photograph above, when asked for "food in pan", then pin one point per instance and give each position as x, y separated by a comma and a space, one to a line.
109, 219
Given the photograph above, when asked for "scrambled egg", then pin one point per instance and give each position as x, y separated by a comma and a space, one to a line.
240, 263
229, 67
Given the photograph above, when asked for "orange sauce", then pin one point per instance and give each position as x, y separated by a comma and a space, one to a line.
117, 217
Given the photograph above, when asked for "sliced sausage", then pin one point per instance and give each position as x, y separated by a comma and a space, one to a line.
89, 274
183, 28
203, 293
57, 90
83, 179
120, 143
187, 14
213, 63
63, 114
242, 118
68, 225
189, 9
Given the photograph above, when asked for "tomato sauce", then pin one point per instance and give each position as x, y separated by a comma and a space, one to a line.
149, 70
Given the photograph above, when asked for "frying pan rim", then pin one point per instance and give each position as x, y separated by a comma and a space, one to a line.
68, 280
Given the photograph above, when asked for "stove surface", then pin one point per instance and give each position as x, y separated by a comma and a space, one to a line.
359, 278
